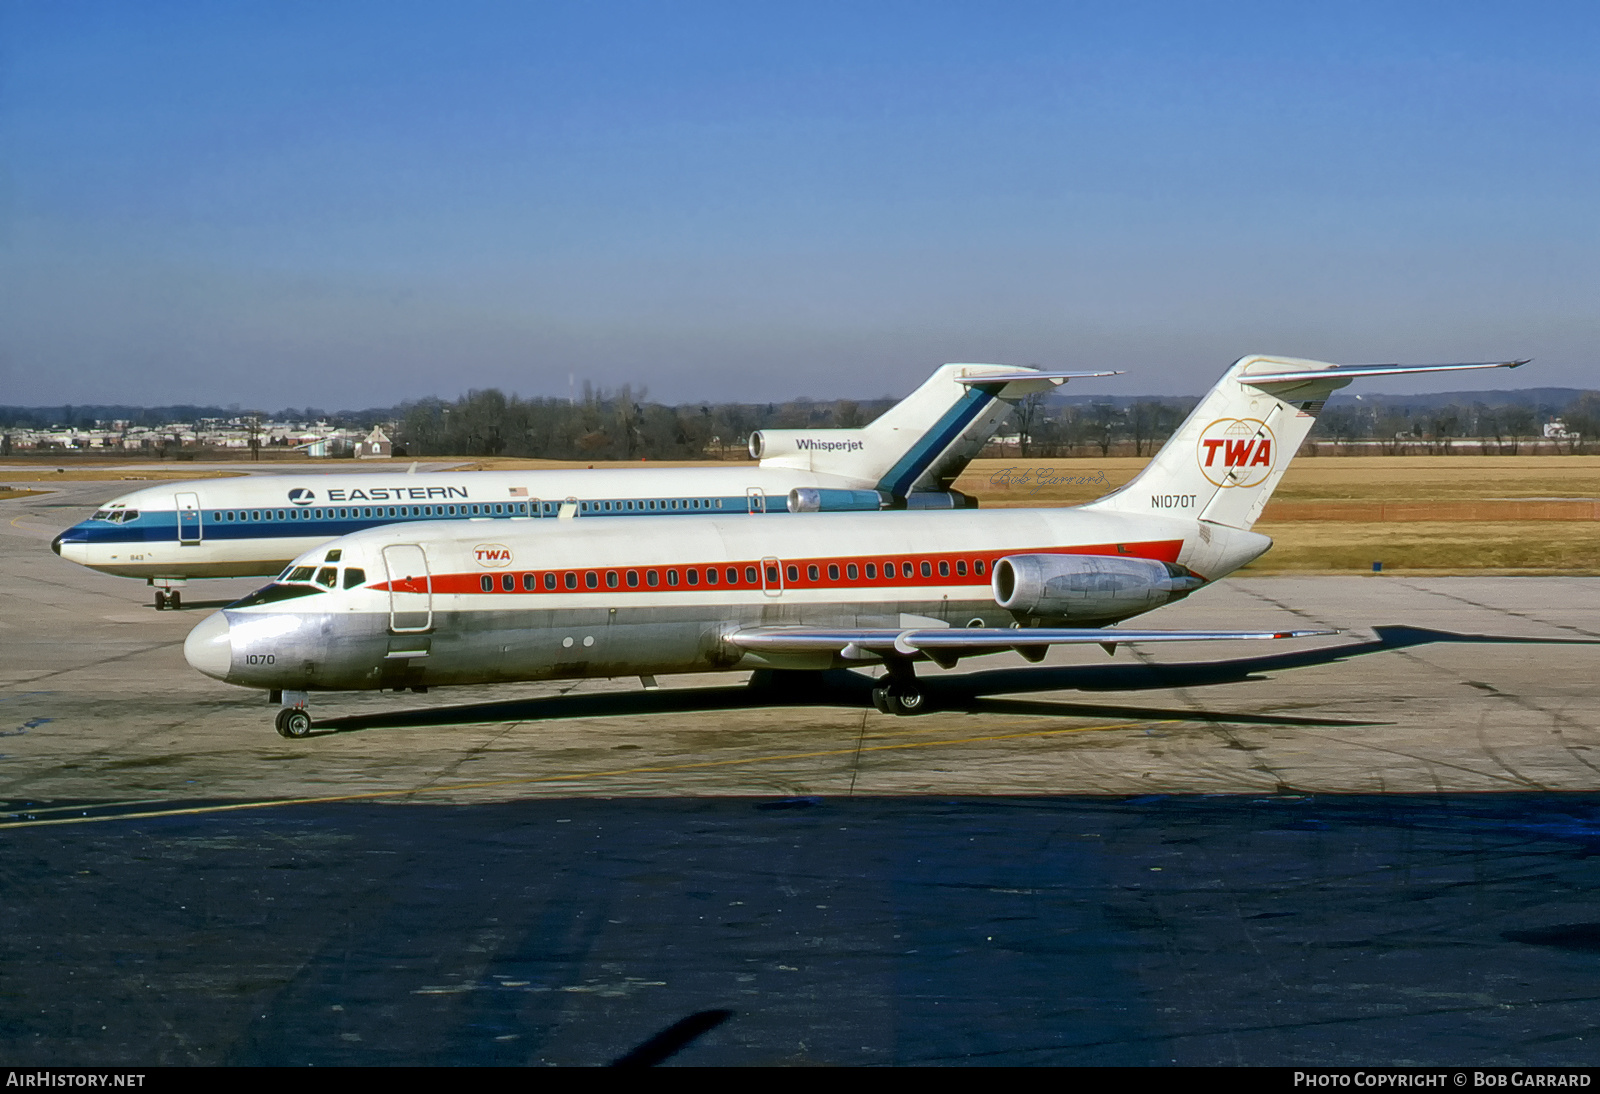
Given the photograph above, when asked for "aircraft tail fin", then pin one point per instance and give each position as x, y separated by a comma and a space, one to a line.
1225, 460
922, 442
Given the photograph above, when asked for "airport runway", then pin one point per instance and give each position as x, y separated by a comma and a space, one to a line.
1369, 848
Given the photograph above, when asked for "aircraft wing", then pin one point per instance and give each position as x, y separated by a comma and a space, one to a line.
947, 643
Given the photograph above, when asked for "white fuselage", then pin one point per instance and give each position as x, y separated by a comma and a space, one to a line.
478, 601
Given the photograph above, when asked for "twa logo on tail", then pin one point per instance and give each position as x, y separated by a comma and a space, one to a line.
1236, 451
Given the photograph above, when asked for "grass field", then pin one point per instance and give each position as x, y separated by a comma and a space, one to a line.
1338, 546
1305, 518
78, 473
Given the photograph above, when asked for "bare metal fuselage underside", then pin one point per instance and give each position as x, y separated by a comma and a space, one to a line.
357, 650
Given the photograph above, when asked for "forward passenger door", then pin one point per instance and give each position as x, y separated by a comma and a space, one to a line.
410, 588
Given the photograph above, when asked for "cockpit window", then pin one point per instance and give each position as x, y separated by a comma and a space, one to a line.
101, 514
269, 594
301, 573
328, 576
354, 576
129, 514
333, 555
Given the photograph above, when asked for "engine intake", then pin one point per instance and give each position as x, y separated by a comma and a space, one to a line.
1088, 588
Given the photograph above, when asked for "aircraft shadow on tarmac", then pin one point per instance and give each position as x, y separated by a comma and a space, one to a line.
969, 693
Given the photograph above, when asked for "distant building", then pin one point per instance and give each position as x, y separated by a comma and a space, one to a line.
377, 446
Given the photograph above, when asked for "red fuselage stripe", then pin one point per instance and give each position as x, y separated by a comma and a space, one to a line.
979, 570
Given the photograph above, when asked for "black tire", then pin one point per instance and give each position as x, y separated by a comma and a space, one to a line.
293, 723
174, 601
907, 701
161, 601
880, 700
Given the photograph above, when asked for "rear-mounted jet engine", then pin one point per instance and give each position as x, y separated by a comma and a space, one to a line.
1086, 588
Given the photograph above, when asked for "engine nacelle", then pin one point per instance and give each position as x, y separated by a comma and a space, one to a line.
1088, 588
797, 446
813, 499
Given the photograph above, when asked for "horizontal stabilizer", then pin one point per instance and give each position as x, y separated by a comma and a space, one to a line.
865, 642
1351, 372
1030, 374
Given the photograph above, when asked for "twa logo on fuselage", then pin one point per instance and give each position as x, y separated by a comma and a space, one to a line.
493, 555
1236, 451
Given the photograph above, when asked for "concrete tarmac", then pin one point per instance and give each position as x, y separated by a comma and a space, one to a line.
1366, 848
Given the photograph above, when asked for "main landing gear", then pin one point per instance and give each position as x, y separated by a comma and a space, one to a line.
901, 694
293, 720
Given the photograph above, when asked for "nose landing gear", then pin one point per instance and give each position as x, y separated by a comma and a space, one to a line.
167, 596
293, 721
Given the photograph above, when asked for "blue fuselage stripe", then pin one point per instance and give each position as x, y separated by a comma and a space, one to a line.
162, 526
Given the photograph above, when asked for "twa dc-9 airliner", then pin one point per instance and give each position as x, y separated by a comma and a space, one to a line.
457, 602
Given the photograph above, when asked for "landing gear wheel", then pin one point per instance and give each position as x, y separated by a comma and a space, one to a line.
174, 600
161, 601
293, 722
900, 699
908, 700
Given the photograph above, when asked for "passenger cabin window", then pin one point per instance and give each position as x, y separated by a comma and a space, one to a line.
733, 575
611, 579
571, 580
833, 572
961, 567
750, 574
486, 583
906, 570
812, 572
651, 578
530, 581
591, 579
794, 572
549, 581
872, 571
944, 569
711, 575
633, 579
692, 576
927, 570
977, 567
672, 577
851, 572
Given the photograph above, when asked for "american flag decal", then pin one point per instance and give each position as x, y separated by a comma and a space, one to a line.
1311, 409
519, 491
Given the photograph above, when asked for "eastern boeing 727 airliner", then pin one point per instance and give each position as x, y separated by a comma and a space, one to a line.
454, 602
245, 527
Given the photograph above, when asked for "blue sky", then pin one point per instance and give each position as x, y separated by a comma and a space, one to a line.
351, 204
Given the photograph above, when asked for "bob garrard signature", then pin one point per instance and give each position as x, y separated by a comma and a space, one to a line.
1037, 478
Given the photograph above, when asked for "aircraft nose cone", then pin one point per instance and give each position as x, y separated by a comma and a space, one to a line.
209, 647
55, 545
